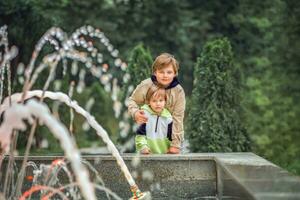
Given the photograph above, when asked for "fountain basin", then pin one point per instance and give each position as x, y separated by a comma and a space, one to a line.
191, 176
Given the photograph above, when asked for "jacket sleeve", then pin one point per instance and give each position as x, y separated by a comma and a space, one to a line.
138, 97
178, 116
169, 134
140, 142
141, 130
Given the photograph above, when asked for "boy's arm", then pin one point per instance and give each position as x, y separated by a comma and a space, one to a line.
169, 133
141, 143
172, 150
137, 98
141, 129
178, 116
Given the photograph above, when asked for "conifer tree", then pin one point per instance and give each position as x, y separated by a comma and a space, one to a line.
139, 65
214, 123
139, 68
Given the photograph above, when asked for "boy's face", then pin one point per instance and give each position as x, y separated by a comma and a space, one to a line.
165, 75
157, 104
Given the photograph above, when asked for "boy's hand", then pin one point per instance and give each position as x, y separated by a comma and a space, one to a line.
145, 151
173, 150
140, 117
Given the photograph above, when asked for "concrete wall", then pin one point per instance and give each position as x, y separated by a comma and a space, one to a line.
187, 176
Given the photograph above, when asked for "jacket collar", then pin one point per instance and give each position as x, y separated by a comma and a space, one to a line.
173, 84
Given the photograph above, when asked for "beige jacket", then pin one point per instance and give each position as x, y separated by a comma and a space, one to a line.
175, 104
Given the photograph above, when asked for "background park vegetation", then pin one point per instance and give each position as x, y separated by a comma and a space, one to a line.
254, 87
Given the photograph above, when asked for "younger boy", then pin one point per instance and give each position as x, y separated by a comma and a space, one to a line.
165, 70
155, 135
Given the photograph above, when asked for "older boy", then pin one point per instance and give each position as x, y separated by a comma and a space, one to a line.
165, 70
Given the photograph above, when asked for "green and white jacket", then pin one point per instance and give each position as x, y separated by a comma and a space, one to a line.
156, 134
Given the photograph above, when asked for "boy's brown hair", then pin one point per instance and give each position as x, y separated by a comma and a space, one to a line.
155, 92
164, 60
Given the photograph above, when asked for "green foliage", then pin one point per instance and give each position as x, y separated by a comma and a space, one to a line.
214, 123
139, 68
265, 44
139, 65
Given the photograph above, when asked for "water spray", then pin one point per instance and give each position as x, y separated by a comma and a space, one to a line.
56, 36
61, 97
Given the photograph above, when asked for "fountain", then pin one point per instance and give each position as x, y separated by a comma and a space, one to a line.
15, 111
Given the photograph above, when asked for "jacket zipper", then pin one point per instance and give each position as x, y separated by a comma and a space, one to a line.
156, 124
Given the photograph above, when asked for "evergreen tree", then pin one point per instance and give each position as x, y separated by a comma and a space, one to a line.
214, 123
266, 41
139, 68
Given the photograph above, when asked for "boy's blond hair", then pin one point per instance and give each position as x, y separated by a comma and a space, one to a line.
155, 92
164, 60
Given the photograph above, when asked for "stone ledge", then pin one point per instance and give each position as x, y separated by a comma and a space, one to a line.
197, 175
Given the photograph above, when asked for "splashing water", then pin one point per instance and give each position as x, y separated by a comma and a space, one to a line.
59, 96
5, 57
16, 112
13, 119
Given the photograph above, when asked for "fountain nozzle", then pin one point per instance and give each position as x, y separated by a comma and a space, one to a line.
138, 195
